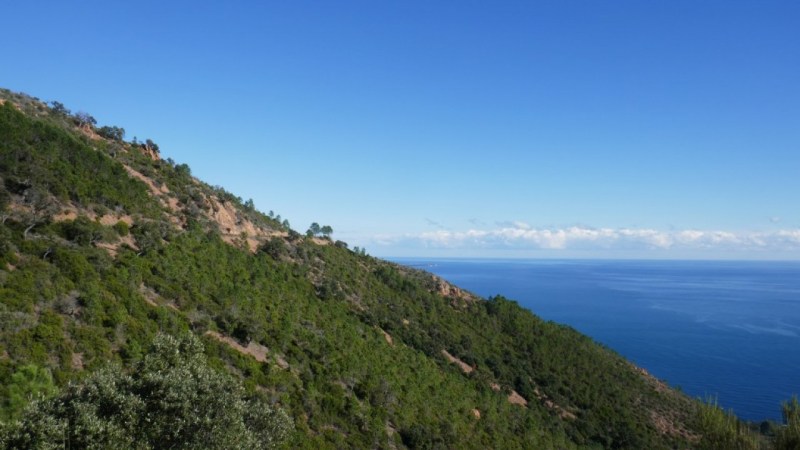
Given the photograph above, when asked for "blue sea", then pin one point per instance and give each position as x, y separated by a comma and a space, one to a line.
713, 328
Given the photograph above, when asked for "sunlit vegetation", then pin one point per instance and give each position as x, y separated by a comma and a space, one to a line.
97, 266
722, 430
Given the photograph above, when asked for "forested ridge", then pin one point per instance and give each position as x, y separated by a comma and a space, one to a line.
121, 274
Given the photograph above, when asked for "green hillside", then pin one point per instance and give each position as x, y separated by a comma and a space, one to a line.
105, 248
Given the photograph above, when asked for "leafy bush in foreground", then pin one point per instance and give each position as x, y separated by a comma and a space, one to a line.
172, 399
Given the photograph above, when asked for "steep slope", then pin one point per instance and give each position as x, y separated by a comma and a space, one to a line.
103, 244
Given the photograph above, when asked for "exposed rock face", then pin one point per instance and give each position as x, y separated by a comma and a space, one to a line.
232, 224
151, 153
447, 290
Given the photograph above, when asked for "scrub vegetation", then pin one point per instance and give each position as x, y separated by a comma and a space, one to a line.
143, 308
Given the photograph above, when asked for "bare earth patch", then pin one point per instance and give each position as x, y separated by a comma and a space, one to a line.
151, 297
672, 426
71, 213
65, 215
77, 361
667, 426
111, 219
321, 241
466, 368
90, 133
563, 413
517, 399
257, 351
233, 226
387, 336
155, 190
108, 247
112, 248
162, 193
173, 204
159, 192
659, 385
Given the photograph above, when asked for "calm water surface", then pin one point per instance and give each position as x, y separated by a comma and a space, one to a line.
727, 329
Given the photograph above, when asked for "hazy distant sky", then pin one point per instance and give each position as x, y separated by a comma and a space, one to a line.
455, 128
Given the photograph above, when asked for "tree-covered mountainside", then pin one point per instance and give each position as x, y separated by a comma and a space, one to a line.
105, 248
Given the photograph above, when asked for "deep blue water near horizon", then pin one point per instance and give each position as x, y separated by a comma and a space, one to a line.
729, 329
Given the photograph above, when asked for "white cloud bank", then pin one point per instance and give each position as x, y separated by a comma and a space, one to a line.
518, 236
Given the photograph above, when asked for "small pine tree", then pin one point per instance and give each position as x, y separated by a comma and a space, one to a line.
28, 383
313, 230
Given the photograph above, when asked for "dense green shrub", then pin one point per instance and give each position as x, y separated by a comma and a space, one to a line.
111, 132
122, 228
171, 399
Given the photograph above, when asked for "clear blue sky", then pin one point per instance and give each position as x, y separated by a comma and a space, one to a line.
455, 128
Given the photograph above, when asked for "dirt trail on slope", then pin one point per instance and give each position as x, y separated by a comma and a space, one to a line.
257, 351
466, 368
